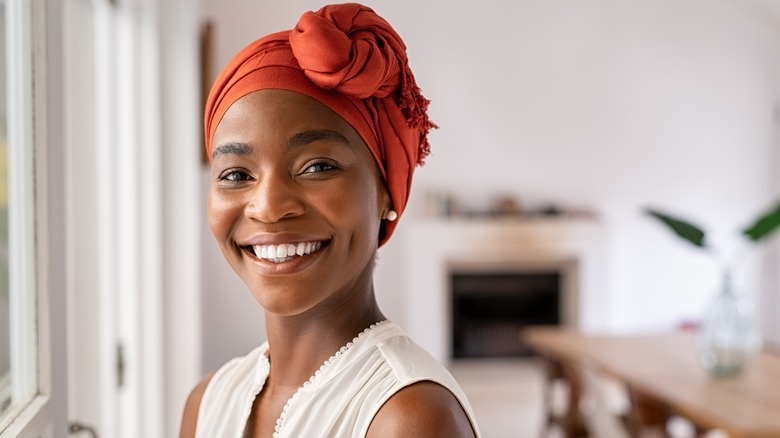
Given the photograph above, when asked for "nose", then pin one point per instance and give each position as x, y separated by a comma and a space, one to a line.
274, 198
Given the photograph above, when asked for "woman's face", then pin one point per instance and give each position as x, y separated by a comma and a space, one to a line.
295, 201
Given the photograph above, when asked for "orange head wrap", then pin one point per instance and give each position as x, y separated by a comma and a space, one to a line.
350, 59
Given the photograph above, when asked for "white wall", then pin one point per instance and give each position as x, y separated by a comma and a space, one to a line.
610, 105
179, 29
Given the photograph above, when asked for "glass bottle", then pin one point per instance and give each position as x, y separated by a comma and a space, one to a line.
730, 335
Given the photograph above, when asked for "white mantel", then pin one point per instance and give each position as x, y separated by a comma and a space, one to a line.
432, 247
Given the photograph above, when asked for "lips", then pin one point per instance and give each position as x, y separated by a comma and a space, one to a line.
284, 252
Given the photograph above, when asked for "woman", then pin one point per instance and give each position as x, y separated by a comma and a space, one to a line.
314, 134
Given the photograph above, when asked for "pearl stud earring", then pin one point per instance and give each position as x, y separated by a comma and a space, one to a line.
391, 216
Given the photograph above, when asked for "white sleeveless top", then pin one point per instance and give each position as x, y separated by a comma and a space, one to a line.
340, 400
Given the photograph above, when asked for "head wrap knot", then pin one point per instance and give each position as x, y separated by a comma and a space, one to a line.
355, 53
350, 59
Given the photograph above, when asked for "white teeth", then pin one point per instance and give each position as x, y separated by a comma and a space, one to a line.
285, 251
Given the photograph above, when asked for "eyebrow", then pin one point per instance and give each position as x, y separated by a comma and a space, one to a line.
307, 137
299, 139
231, 148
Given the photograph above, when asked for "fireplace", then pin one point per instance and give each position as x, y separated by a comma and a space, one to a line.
489, 309
416, 271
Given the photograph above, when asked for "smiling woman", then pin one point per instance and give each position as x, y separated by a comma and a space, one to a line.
306, 177
314, 135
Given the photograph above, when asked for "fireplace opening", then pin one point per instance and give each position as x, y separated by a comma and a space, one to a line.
490, 309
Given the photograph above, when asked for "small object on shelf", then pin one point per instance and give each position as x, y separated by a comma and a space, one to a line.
506, 206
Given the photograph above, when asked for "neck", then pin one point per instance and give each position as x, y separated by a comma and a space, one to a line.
300, 344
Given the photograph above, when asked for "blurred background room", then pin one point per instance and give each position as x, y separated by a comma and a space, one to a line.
560, 122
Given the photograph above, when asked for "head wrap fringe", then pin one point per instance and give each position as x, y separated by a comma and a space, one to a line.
415, 107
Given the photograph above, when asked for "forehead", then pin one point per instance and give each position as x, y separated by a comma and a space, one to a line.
279, 112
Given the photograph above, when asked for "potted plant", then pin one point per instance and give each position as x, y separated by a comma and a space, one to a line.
730, 333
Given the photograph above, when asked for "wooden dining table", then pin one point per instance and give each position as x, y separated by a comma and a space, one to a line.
664, 368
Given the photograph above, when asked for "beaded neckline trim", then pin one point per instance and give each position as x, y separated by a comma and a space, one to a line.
317, 374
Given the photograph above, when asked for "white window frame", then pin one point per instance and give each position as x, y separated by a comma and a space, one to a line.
21, 209
35, 234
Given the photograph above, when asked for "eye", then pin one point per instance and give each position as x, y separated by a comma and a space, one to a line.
234, 175
320, 166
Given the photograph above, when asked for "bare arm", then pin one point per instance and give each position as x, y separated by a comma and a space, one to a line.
190, 418
424, 409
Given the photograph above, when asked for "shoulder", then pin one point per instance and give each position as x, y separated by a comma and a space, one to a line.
215, 392
422, 409
190, 417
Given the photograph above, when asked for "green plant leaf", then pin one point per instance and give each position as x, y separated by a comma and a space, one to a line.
764, 226
684, 229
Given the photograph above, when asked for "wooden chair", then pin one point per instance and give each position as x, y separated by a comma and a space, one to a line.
640, 417
604, 410
570, 419
649, 416
646, 415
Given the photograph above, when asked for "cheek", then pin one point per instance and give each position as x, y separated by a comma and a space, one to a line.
221, 214
369, 207
351, 207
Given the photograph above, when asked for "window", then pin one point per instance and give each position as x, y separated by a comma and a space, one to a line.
32, 278
5, 335
18, 345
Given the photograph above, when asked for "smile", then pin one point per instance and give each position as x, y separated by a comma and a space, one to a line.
285, 252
